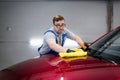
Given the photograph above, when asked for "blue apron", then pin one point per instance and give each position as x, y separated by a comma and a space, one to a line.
51, 51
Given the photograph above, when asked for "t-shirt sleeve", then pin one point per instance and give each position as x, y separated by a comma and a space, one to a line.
49, 37
69, 34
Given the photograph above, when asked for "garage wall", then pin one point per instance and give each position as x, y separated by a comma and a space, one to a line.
21, 22
116, 14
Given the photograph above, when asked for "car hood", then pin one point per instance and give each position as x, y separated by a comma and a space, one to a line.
54, 65
39, 65
89, 63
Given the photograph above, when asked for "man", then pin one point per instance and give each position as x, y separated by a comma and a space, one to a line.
54, 38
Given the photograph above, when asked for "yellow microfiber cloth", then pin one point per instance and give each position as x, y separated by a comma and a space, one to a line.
74, 58
77, 54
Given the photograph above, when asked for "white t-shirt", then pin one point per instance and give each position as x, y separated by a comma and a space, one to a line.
53, 36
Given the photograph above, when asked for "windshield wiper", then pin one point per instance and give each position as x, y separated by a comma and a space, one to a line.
100, 57
106, 59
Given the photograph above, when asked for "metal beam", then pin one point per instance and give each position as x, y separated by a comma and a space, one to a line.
109, 20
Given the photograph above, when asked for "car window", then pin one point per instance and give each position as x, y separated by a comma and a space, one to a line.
107, 48
103, 42
111, 50
114, 47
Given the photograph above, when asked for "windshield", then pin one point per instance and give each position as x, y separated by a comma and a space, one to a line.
108, 47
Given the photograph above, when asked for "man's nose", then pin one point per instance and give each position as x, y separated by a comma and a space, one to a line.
61, 27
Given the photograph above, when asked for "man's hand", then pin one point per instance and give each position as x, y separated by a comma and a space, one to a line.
87, 47
69, 50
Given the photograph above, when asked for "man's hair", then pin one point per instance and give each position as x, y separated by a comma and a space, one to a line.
57, 18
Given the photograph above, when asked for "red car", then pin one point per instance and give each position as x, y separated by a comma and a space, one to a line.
102, 63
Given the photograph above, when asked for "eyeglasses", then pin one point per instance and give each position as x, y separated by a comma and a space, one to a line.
60, 25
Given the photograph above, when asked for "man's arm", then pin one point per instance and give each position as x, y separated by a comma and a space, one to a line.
79, 41
56, 47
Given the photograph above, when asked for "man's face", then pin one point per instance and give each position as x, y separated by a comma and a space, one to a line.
59, 26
